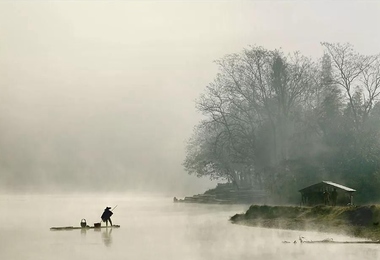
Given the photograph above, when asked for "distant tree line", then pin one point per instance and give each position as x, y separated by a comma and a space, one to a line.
280, 122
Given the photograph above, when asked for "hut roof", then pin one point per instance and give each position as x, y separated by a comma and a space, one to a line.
328, 183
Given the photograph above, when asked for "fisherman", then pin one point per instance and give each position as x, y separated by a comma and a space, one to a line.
106, 216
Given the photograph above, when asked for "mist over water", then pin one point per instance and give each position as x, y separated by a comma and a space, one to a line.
151, 228
99, 97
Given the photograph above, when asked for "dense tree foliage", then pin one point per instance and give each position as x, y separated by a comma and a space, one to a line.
279, 121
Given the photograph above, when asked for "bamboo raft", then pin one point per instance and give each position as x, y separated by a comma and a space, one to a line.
83, 228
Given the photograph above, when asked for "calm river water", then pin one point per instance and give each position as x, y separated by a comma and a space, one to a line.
151, 228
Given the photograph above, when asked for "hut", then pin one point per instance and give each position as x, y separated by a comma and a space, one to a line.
328, 193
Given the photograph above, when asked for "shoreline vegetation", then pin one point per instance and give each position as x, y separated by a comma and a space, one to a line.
355, 221
279, 121
227, 193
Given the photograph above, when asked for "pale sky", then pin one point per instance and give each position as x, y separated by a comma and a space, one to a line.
103, 91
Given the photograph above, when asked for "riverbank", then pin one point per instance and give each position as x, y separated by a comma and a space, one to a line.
227, 193
357, 221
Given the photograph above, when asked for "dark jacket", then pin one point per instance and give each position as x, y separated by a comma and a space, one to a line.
106, 214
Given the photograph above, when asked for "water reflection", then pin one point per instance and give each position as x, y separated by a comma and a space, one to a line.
177, 231
106, 236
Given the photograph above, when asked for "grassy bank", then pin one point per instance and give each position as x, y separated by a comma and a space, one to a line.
358, 221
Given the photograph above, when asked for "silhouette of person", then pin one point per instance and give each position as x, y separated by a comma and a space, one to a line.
106, 216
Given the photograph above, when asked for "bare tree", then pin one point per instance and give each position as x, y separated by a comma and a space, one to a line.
253, 88
358, 75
